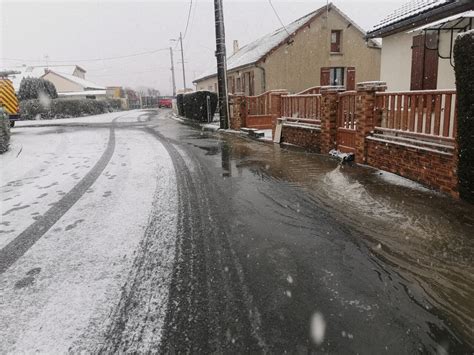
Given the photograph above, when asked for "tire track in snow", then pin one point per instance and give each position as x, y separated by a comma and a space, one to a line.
25, 240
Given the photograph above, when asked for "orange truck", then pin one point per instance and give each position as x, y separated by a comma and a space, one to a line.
8, 99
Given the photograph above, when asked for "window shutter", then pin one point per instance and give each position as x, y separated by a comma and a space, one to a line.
351, 74
325, 76
417, 53
430, 77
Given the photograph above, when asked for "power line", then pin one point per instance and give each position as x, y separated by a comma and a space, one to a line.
93, 59
189, 16
278, 16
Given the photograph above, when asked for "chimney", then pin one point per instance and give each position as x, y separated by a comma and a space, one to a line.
236, 46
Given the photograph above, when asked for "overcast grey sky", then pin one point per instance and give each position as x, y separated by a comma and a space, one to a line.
73, 31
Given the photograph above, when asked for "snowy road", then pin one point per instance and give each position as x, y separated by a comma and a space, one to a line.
76, 205
133, 232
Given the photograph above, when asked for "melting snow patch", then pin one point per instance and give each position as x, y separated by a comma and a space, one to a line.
400, 181
342, 156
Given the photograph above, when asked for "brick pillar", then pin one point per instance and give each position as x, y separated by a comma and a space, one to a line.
275, 108
365, 103
329, 117
237, 111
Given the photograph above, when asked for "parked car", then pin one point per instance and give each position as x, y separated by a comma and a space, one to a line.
166, 103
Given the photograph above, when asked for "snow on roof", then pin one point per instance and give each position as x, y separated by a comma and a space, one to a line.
410, 9
86, 84
83, 93
440, 23
37, 71
256, 50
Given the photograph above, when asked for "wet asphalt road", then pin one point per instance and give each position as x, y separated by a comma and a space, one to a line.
268, 237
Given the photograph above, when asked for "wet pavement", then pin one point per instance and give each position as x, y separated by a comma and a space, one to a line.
387, 263
252, 247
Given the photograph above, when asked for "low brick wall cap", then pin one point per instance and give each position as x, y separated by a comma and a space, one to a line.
331, 88
371, 85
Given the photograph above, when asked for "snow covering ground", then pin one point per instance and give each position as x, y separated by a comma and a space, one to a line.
103, 118
59, 295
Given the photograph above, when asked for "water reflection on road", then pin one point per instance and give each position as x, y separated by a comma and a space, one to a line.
420, 241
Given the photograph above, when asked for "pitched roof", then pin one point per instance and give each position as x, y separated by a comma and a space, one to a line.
86, 84
258, 49
411, 8
37, 71
414, 9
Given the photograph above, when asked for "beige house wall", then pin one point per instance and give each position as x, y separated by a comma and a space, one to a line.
61, 84
207, 84
297, 66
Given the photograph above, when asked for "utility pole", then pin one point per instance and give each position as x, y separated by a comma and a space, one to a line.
182, 60
172, 72
221, 65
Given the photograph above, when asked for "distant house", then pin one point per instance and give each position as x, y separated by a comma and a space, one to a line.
324, 47
417, 43
37, 71
72, 86
69, 80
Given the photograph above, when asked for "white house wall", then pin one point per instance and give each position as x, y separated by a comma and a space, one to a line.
396, 62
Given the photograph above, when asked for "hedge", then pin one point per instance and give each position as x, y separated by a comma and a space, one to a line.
66, 108
179, 104
195, 105
4, 132
30, 88
464, 69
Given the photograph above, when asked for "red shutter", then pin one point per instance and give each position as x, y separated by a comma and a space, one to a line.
417, 53
424, 62
351, 75
430, 77
325, 76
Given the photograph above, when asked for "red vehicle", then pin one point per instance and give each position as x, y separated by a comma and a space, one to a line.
166, 103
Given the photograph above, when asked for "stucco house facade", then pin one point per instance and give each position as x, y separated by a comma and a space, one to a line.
417, 43
324, 47
73, 86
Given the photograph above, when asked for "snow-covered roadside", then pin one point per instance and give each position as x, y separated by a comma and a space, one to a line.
102, 118
45, 164
62, 291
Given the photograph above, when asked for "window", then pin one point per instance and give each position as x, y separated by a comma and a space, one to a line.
336, 76
335, 41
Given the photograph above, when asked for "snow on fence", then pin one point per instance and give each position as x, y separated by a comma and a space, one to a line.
428, 113
261, 104
311, 91
303, 108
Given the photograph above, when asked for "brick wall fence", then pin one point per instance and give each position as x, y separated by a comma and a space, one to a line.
430, 168
413, 135
308, 138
